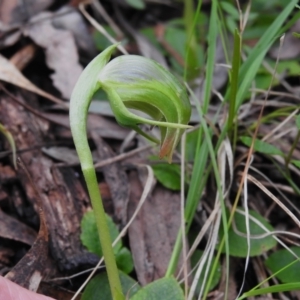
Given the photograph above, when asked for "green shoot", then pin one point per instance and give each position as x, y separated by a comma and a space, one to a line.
234, 78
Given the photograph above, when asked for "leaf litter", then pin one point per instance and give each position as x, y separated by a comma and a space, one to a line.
61, 35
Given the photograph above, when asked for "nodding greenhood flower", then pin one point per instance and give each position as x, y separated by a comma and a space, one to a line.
135, 82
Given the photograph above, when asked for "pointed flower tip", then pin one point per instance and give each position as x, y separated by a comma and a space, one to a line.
166, 150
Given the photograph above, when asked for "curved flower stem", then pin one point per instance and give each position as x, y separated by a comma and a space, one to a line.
81, 97
103, 231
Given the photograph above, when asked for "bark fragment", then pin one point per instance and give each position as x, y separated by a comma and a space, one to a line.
63, 199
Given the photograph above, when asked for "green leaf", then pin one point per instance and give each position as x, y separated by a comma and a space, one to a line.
149, 33
297, 35
296, 163
98, 287
263, 78
89, 234
238, 241
176, 37
216, 277
124, 260
236, 61
100, 40
281, 258
261, 146
230, 9
272, 289
89, 238
290, 67
165, 288
191, 144
253, 62
168, 175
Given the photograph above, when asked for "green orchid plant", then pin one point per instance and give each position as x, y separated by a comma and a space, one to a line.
130, 82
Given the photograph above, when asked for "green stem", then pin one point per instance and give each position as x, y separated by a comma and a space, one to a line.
234, 79
103, 232
83, 92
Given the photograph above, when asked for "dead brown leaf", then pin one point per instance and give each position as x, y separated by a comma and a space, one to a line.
62, 154
145, 46
232, 288
56, 292
5, 255
69, 18
220, 72
23, 56
115, 177
9, 73
153, 233
13, 229
7, 173
3, 195
60, 49
291, 45
13, 14
30, 270
106, 128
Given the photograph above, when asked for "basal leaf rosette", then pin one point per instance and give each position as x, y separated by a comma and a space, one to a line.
136, 82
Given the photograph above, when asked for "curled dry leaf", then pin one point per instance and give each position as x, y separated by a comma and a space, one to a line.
9, 73
60, 49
